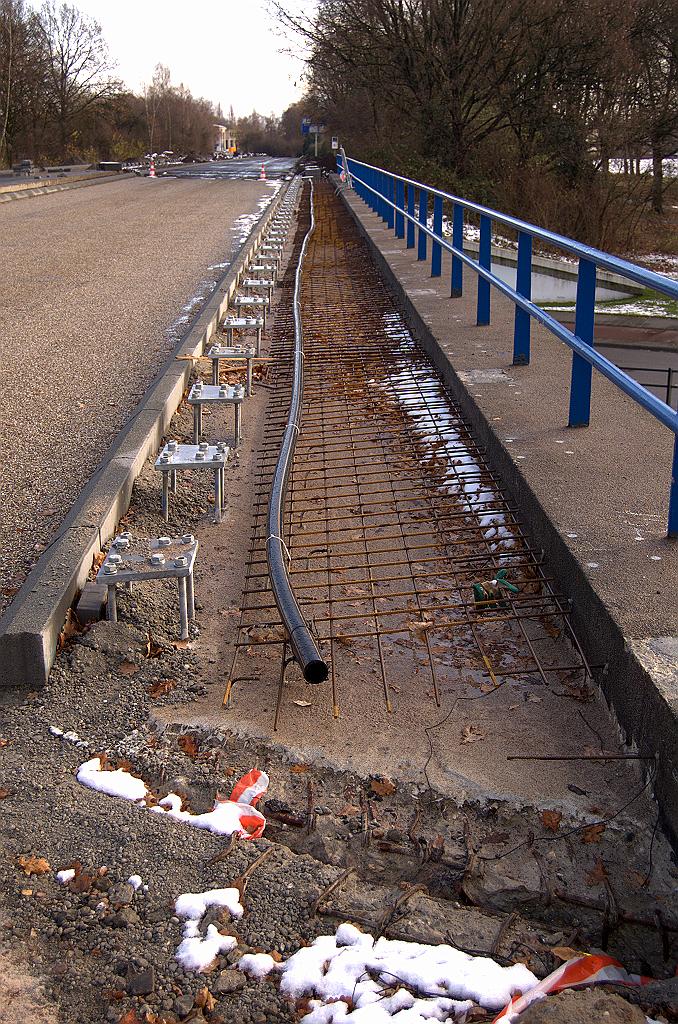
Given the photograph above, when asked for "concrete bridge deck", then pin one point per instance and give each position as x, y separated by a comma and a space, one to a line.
594, 499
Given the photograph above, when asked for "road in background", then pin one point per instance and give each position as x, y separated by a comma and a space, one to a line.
245, 167
97, 286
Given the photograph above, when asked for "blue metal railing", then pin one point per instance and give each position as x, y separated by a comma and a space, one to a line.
404, 205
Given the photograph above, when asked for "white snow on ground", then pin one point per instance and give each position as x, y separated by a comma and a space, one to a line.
65, 876
351, 977
643, 307
196, 951
118, 783
256, 965
135, 881
225, 818
70, 736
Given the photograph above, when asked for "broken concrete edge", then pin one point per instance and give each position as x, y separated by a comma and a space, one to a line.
30, 628
639, 680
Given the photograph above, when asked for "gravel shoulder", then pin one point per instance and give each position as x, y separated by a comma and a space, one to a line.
97, 287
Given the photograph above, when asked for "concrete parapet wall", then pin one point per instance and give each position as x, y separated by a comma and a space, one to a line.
594, 499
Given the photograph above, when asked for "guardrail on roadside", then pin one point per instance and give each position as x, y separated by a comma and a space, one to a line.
404, 205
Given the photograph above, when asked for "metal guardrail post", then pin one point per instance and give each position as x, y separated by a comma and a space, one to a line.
580, 388
457, 281
411, 214
673, 494
390, 195
521, 330
436, 250
400, 203
485, 260
423, 219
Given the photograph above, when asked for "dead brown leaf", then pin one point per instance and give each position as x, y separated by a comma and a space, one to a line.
128, 668
471, 734
204, 999
32, 865
179, 645
348, 810
3, 742
98, 560
302, 703
593, 833
152, 650
130, 1017
161, 687
597, 875
4, 793
189, 744
551, 820
299, 769
70, 630
636, 879
383, 787
565, 953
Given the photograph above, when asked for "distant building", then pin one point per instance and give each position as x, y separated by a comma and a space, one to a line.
224, 140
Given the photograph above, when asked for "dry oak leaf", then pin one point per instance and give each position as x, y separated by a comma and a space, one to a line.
127, 668
551, 820
32, 865
471, 733
299, 769
152, 650
3, 742
383, 787
597, 875
130, 1018
593, 833
4, 793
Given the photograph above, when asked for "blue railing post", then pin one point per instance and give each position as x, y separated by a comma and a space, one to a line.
390, 194
380, 186
411, 209
400, 203
458, 243
436, 251
521, 329
423, 218
580, 388
485, 260
673, 493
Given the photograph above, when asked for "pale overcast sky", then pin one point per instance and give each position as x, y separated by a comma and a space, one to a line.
224, 50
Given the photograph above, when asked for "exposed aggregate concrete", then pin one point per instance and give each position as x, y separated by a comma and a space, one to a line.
93, 285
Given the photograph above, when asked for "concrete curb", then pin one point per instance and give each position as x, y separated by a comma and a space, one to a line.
641, 683
30, 191
29, 630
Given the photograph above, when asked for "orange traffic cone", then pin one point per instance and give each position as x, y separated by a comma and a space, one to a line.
151, 173
262, 176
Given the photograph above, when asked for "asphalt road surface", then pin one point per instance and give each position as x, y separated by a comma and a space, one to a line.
97, 286
247, 167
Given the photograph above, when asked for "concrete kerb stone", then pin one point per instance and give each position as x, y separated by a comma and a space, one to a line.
29, 192
639, 683
29, 630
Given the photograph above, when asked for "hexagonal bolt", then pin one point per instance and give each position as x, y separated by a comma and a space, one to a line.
180, 562
157, 559
110, 570
164, 542
172, 446
188, 538
203, 446
114, 559
200, 456
165, 459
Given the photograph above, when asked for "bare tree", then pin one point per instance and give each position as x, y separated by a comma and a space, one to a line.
78, 65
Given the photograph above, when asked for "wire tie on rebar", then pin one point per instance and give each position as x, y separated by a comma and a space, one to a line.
274, 536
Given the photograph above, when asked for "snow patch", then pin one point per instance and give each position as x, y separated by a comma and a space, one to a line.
196, 951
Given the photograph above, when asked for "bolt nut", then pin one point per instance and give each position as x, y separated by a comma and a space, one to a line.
181, 562
203, 446
223, 392
172, 446
110, 570
157, 558
114, 558
121, 542
188, 538
164, 542
222, 447
165, 459
199, 456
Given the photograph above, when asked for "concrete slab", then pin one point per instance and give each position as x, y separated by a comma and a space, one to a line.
594, 499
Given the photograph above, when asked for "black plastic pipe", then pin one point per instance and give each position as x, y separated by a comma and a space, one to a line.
303, 645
